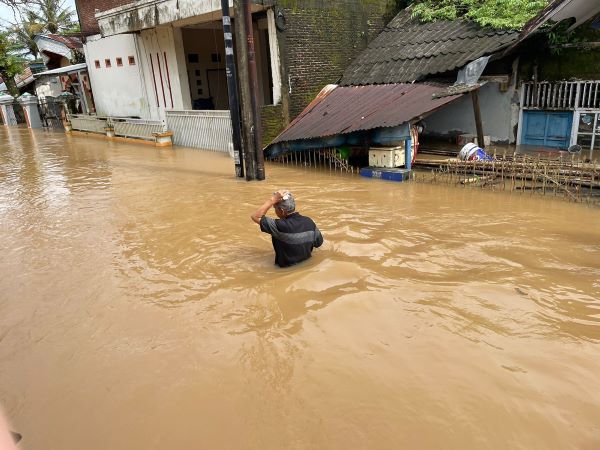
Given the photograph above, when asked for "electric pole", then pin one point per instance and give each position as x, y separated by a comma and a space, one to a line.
253, 81
234, 106
249, 91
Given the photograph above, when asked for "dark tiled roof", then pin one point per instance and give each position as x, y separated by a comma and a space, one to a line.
408, 50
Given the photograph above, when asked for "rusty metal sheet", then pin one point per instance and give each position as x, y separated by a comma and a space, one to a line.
347, 109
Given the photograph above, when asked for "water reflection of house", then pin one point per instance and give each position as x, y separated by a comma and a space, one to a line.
165, 60
67, 71
527, 93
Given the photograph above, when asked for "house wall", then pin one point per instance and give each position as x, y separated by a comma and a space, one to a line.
164, 70
48, 87
118, 91
496, 115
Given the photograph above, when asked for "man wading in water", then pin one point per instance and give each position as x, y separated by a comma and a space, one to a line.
294, 236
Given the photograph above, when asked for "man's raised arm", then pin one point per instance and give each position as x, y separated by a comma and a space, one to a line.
257, 215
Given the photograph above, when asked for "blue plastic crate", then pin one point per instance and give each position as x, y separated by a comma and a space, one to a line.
398, 175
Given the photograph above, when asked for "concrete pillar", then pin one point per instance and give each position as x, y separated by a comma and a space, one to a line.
30, 108
7, 111
275, 63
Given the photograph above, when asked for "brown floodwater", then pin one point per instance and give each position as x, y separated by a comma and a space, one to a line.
140, 309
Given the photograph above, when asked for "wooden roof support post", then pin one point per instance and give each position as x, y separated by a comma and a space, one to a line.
478, 122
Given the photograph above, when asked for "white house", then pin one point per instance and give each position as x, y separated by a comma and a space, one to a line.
165, 59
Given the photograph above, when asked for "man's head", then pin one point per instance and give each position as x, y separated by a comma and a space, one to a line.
286, 206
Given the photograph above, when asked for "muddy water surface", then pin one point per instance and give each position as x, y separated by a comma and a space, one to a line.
140, 309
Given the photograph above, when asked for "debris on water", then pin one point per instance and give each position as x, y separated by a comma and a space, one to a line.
521, 291
471, 152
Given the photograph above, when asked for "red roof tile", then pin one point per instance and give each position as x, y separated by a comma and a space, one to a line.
69, 41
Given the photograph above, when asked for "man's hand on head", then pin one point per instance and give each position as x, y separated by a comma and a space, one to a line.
276, 197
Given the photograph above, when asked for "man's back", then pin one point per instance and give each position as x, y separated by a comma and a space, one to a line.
293, 237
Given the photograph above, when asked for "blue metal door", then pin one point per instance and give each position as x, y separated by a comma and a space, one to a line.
547, 129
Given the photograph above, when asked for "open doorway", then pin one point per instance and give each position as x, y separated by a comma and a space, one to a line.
205, 64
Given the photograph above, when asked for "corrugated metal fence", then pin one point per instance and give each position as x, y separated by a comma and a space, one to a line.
92, 124
124, 127
137, 128
210, 130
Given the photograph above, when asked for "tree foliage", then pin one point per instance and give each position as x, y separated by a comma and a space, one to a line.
52, 14
24, 32
509, 14
10, 63
38, 17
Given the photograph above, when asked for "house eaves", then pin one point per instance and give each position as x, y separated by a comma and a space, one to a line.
143, 14
557, 11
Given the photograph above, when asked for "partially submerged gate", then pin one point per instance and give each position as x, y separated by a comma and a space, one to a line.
51, 113
560, 114
547, 129
209, 130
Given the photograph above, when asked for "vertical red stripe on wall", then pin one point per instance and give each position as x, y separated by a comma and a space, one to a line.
154, 79
168, 78
162, 83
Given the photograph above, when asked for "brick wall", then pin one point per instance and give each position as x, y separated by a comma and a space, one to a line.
321, 38
86, 9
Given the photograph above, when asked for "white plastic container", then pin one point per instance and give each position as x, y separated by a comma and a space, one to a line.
387, 157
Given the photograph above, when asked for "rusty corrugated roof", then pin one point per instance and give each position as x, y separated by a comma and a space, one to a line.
347, 109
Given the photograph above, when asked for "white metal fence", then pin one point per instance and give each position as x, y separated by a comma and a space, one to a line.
92, 124
122, 126
564, 95
137, 128
210, 130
